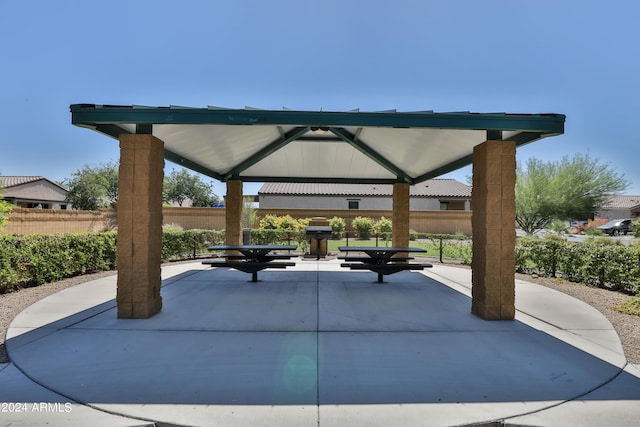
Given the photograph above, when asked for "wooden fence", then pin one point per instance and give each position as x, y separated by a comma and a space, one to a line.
46, 221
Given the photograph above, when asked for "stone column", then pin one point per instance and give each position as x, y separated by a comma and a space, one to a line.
494, 230
400, 235
233, 213
139, 246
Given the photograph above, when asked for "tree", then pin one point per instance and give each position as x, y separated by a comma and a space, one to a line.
181, 185
249, 213
5, 208
569, 189
93, 187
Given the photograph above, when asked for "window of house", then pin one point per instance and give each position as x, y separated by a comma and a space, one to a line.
444, 206
354, 204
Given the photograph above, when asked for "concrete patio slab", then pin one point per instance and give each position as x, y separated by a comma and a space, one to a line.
321, 345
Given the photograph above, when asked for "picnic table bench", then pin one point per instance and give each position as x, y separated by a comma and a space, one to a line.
252, 258
381, 260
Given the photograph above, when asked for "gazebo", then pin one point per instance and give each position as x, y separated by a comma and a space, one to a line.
253, 145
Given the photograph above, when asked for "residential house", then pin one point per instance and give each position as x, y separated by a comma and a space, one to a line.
434, 194
33, 192
620, 207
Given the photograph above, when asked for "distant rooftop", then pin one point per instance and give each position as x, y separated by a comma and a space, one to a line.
429, 188
622, 202
12, 181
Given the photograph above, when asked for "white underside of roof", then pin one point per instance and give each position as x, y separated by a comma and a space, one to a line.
310, 159
221, 148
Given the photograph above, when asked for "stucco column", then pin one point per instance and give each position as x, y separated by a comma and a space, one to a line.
139, 246
233, 213
494, 230
400, 235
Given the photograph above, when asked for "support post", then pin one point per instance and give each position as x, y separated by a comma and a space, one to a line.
233, 213
400, 233
139, 247
494, 230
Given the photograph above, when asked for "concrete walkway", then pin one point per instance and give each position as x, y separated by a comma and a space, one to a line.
314, 345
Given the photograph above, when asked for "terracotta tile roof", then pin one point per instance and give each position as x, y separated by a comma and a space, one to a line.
12, 181
430, 188
622, 202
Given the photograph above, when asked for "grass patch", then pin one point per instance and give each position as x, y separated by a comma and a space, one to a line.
450, 250
630, 306
333, 245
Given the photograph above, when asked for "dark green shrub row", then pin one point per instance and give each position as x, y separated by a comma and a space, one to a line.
599, 262
29, 260
186, 244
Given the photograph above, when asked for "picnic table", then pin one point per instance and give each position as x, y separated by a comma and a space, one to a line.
252, 258
381, 260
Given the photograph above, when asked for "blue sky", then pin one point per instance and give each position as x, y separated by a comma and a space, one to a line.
579, 58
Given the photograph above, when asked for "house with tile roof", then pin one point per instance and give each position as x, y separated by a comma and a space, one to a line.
434, 194
33, 192
620, 207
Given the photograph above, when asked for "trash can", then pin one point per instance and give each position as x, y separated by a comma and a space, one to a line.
318, 232
246, 236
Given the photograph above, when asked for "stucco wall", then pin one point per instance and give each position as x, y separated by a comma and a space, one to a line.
342, 202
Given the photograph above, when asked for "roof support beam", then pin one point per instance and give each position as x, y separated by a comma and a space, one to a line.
285, 138
189, 164
356, 143
520, 139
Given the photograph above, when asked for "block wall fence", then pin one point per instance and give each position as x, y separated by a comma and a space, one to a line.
46, 221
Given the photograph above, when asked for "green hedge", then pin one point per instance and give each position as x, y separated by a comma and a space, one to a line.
188, 244
599, 262
29, 260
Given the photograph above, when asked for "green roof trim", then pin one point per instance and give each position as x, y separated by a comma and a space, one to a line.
92, 115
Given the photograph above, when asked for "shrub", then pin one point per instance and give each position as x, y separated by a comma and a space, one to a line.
363, 227
287, 222
274, 236
559, 227
338, 227
178, 244
524, 263
591, 227
597, 262
630, 306
269, 222
303, 223
383, 228
5, 209
546, 255
458, 250
635, 227
28, 260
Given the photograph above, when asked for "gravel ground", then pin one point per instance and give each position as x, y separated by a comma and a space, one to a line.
627, 326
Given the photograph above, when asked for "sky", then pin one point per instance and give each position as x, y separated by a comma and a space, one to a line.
578, 58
